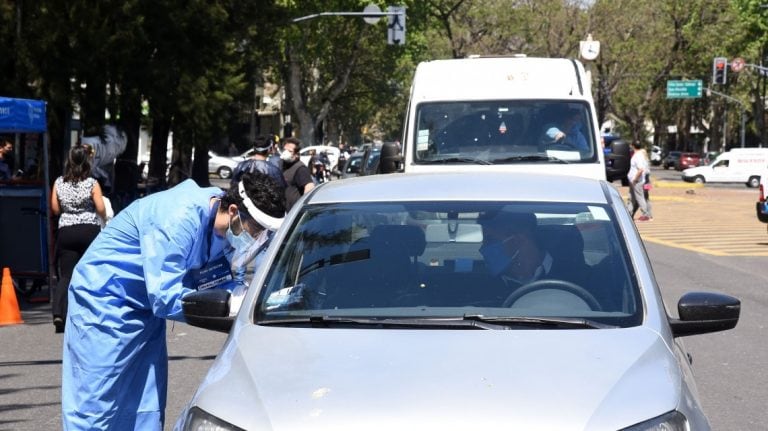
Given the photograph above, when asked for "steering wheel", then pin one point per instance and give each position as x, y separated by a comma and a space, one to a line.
549, 283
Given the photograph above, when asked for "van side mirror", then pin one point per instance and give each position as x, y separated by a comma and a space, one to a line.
208, 309
390, 159
705, 312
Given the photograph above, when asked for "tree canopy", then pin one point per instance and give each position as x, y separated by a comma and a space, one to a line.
194, 68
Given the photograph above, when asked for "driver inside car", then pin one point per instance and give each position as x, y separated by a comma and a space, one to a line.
513, 252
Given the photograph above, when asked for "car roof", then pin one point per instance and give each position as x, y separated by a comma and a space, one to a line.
457, 186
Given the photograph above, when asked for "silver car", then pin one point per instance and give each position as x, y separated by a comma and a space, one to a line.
386, 302
222, 166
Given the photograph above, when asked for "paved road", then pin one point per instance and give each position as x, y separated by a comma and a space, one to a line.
717, 220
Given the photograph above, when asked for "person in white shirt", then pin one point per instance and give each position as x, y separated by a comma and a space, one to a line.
638, 170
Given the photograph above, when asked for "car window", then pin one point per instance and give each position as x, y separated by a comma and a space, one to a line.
353, 165
416, 260
501, 132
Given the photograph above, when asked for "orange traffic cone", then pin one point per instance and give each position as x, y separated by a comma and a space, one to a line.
9, 305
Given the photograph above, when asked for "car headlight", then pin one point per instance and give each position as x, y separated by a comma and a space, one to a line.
200, 420
672, 421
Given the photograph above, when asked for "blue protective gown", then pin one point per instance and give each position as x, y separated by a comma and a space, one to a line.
132, 278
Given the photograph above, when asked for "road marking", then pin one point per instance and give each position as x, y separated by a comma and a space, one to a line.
717, 222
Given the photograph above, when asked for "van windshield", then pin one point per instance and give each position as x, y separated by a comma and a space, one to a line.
504, 132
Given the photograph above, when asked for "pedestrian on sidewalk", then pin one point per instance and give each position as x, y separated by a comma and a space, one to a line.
639, 168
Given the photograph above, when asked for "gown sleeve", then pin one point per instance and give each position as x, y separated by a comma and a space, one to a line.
166, 247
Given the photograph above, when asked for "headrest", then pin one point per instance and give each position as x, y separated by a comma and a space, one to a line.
405, 238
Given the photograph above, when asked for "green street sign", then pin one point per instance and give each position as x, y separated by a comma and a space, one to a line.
684, 89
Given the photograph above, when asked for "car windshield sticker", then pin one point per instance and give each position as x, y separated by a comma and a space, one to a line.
564, 154
502, 128
422, 142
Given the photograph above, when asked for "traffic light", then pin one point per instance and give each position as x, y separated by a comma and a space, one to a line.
720, 70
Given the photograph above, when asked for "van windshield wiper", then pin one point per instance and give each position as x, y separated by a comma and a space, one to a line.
467, 160
384, 322
551, 322
530, 158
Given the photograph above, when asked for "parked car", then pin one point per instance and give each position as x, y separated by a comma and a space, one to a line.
371, 156
352, 166
617, 156
222, 166
670, 160
688, 160
244, 155
379, 305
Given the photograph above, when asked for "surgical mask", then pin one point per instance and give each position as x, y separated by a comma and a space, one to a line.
241, 241
287, 156
496, 257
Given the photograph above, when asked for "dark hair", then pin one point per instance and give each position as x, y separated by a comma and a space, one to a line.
263, 144
265, 193
78, 167
636, 145
293, 141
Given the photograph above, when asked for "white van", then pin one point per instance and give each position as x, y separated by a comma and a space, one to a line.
500, 113
740, 165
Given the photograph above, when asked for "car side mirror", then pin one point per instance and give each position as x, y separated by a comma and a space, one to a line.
705, 312
208, 309
390, 159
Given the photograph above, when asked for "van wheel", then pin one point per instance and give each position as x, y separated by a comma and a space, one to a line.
753, 182
698, 179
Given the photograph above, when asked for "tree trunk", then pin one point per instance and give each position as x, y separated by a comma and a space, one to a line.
158, 163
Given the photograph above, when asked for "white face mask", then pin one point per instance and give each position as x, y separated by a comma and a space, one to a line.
287, 156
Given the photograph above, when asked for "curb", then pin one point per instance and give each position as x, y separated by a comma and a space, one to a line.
676, 185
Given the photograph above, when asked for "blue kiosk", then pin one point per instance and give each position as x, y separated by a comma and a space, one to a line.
26, 244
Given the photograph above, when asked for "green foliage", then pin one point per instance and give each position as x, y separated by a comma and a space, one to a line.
199, 62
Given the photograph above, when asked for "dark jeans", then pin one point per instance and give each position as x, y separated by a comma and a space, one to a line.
71, 243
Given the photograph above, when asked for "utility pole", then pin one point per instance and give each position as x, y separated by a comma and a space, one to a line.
743, 112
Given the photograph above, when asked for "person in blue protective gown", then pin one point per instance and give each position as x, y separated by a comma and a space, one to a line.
133, 277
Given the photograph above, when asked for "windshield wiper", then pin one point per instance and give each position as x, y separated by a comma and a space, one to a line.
428, 322
554, 322
468, 160
530, 158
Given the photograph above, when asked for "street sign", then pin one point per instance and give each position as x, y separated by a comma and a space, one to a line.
396, 25
737, 65
373, 10
689, 89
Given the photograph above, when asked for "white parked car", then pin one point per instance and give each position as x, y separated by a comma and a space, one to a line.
380, 305
222, 166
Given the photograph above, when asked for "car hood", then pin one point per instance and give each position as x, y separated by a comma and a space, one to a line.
270, 378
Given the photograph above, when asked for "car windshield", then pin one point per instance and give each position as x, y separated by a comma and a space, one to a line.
452, 260
504, 132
